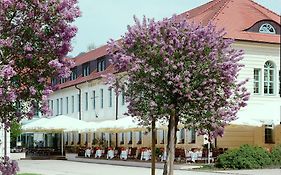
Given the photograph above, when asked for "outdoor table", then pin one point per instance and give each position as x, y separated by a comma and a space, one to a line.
110, 154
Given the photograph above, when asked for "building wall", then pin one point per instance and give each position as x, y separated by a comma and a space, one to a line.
256, 54
91, 114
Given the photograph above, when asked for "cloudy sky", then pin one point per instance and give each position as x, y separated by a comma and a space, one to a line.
105, 19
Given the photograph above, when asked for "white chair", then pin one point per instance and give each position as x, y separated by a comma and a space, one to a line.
164, 156
98, 153
187, 156
194, 156
124, 155
199, 155
88, 152
110, 154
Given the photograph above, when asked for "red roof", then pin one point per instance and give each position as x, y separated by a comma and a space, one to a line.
235, 16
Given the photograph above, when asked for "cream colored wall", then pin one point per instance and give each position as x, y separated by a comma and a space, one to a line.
256, 54
105, 113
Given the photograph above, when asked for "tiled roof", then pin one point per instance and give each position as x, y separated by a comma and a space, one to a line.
235, 16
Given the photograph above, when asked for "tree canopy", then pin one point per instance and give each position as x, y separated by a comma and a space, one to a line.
180, 72
35, 36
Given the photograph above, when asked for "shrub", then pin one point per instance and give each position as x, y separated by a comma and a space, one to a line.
245, 157
276, 155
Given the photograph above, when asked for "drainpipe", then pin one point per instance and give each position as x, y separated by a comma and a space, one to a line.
116, 117
79, 103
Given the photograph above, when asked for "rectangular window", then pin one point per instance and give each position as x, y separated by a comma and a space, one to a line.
54, 81
79, 139
79, 100
94, 99
101, 65
102, 137
67, 103
123, 97
268, 134
110, 97
73, 75
161, 134
101, 98
86, 101
52, 106
130, 138
182, 136
192, 136
58, 107
139, 137
257, 81
61, 106
72, 104
85, 69
94, 138
86, 138
122, 138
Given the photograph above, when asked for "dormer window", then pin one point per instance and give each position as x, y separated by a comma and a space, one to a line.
54, 81
101, 65
267, 28
85, 69
73, 74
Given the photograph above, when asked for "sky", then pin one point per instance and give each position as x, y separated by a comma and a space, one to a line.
102, 20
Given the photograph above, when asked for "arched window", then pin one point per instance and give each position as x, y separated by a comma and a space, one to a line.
267, 28
268, 78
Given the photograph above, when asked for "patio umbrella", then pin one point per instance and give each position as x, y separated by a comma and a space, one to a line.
259, 114
35, 126
57, 124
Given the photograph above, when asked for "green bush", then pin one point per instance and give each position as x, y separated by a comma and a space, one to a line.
276, 155
245, 157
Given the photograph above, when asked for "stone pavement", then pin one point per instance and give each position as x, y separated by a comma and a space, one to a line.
60, 167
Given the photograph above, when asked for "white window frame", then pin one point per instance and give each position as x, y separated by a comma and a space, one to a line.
269, 67
257, 80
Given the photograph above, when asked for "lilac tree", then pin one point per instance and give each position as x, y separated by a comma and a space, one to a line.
35, 36
182, 73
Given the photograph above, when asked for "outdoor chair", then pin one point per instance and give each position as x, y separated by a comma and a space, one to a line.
145, 155
110, 154
88, 152
187, 156
124, 154
98, 153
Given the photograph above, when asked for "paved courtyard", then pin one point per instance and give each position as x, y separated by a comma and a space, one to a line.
58, 167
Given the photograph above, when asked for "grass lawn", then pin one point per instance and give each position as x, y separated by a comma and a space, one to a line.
28, 174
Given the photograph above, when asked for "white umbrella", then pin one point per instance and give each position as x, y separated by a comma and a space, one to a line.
259, 114
35, 125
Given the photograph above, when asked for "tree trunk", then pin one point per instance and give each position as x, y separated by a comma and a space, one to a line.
153, 147
169, 164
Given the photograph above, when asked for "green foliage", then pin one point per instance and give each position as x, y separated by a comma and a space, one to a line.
245, 157
276, 155
15, 132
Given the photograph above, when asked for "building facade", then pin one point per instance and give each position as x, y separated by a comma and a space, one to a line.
256, 30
